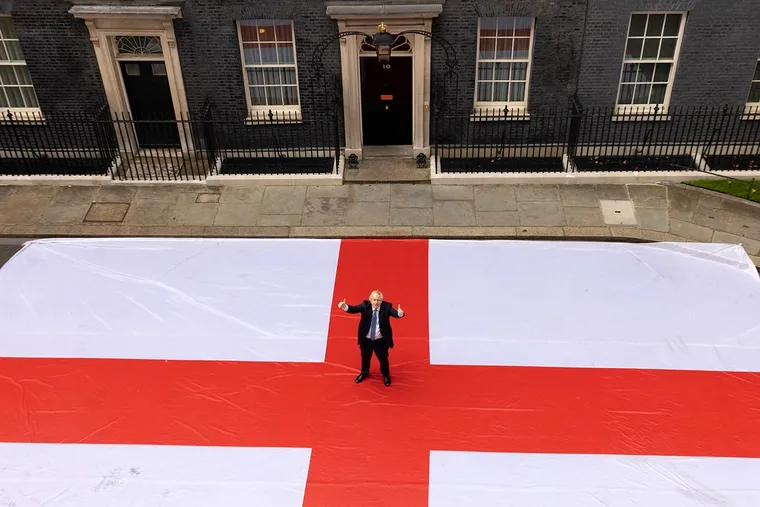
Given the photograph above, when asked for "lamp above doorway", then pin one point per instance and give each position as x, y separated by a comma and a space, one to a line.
383, 42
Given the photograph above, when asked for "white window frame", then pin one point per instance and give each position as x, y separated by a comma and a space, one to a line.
650, 108
753, 108
280, 111
492, 107
19, 113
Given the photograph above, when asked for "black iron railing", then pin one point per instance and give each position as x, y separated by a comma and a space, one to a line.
157, 147
579, 139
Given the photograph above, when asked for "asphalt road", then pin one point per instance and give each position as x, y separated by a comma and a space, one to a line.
7, 251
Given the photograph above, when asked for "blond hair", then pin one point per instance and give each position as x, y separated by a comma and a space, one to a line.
377, 293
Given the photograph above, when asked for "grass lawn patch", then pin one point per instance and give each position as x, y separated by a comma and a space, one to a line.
744, 189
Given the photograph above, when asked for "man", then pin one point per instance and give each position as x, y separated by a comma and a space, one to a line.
375, 332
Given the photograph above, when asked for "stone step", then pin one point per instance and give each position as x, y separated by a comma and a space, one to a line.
387, 169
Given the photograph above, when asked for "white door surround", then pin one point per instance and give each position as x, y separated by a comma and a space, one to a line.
366, 18
105, 23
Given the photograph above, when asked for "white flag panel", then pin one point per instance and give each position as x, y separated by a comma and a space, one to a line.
90, 475
479, 479
163, 298
683, 306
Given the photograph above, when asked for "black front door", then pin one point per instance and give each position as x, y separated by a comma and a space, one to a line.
150, 100
387, 101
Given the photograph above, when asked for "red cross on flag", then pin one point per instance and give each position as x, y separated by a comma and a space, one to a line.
197, 372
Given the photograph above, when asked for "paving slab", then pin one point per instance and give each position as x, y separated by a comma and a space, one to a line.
579, 195
584, 216
283, 200
648, 196
411, 196
530, 193
546, 214
495, 198
368, 213
454, 213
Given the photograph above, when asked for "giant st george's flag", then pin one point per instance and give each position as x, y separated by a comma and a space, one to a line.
197, 372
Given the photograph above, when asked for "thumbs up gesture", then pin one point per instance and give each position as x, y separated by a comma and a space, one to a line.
342, 305
400, 311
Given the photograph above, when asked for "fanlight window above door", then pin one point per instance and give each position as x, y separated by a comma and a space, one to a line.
400, 45
138, 45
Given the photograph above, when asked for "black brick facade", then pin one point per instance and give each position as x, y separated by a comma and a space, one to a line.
720, 48
579, 45
58, 53
556, 49
210, 53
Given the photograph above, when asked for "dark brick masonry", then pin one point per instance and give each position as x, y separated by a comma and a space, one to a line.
718, 55
720, 48
58, 53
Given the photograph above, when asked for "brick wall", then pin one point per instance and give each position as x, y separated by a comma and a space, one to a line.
209, 50
720, 47
556, 50
58, 52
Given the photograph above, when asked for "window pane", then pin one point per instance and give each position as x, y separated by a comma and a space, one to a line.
651, 48
3, 100
757, 72
271, 76
629, 72
654, 26
283, 30
255, 77
672, 24
501, 73
485, 70
266, 30
6, 28
258, 96
248, 32
504, 49
519, 71
517, 92
251, 54
7, 76
14, 97
500, 92
638, 24
488, 27
487, 49
484, 92
646, 73
274, 95
288, 75
13, 47
291, 95
522, 46
3, 53
626, 94
522, 27
662, 72
754, 92
268, 53
506, 27
668, 48
658, 94
641, 95
633, 50
285, 53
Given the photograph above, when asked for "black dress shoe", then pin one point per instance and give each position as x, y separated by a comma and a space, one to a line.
361, 377
387, 380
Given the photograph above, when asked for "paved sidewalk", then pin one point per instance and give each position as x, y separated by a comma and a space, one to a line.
631, 211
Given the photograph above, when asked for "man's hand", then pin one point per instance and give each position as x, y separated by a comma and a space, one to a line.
400, 311
342, 305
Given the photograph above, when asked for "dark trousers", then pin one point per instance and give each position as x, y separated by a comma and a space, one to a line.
380, 348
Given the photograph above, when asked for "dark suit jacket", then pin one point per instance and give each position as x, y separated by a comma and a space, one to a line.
386, 311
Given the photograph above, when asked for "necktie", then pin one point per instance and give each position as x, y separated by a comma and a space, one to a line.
372, 326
